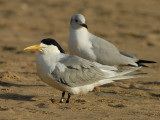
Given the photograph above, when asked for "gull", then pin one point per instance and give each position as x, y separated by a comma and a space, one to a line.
73, 74
86, 45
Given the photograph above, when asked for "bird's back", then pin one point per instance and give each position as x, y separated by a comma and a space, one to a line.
106, 53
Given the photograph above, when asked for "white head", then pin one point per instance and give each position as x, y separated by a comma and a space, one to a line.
78, 21
47, 46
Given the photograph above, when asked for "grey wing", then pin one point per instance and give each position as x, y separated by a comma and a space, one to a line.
77, 72
106, 52
128, 55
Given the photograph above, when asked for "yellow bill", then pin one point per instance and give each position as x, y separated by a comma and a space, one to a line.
34, 47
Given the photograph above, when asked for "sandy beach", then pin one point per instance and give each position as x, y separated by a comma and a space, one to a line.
132, 25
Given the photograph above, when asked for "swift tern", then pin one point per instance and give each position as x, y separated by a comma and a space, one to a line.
86, 45
73, 74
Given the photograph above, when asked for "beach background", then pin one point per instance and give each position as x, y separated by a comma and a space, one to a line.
132, 25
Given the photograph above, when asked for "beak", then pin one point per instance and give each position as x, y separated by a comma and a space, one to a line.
84, 25
34, 47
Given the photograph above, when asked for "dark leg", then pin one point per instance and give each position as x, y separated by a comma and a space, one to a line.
61, 100
69, 95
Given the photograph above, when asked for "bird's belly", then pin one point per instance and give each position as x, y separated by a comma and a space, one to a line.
81, 89
73, 90
51, 82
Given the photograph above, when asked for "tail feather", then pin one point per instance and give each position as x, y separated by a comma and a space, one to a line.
112, 79
126, 71
119, 72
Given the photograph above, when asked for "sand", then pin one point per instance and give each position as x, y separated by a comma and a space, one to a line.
132, 25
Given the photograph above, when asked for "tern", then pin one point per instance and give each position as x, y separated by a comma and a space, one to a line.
86, 45
73, 74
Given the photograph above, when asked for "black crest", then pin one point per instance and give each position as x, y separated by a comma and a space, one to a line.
50, 41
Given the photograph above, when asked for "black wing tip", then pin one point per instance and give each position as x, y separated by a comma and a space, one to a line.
145, 61
140, 62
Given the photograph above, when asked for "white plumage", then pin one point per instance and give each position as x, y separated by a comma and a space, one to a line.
73, 74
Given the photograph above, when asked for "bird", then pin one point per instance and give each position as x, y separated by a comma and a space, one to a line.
73, 74
86, 45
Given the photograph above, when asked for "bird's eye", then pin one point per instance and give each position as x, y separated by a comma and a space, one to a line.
76, 20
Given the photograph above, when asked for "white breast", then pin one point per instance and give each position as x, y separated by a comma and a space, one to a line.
45, 66
80, 45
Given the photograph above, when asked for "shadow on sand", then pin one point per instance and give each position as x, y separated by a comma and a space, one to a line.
7, 84
13, 96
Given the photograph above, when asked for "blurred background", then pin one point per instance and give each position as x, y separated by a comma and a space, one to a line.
121, 22
132, 25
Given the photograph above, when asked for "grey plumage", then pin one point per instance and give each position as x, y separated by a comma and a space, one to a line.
78, 72
106, 52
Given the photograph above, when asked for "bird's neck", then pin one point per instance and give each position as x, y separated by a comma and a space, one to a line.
79, 37
46, 63
49, 59
78, 34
